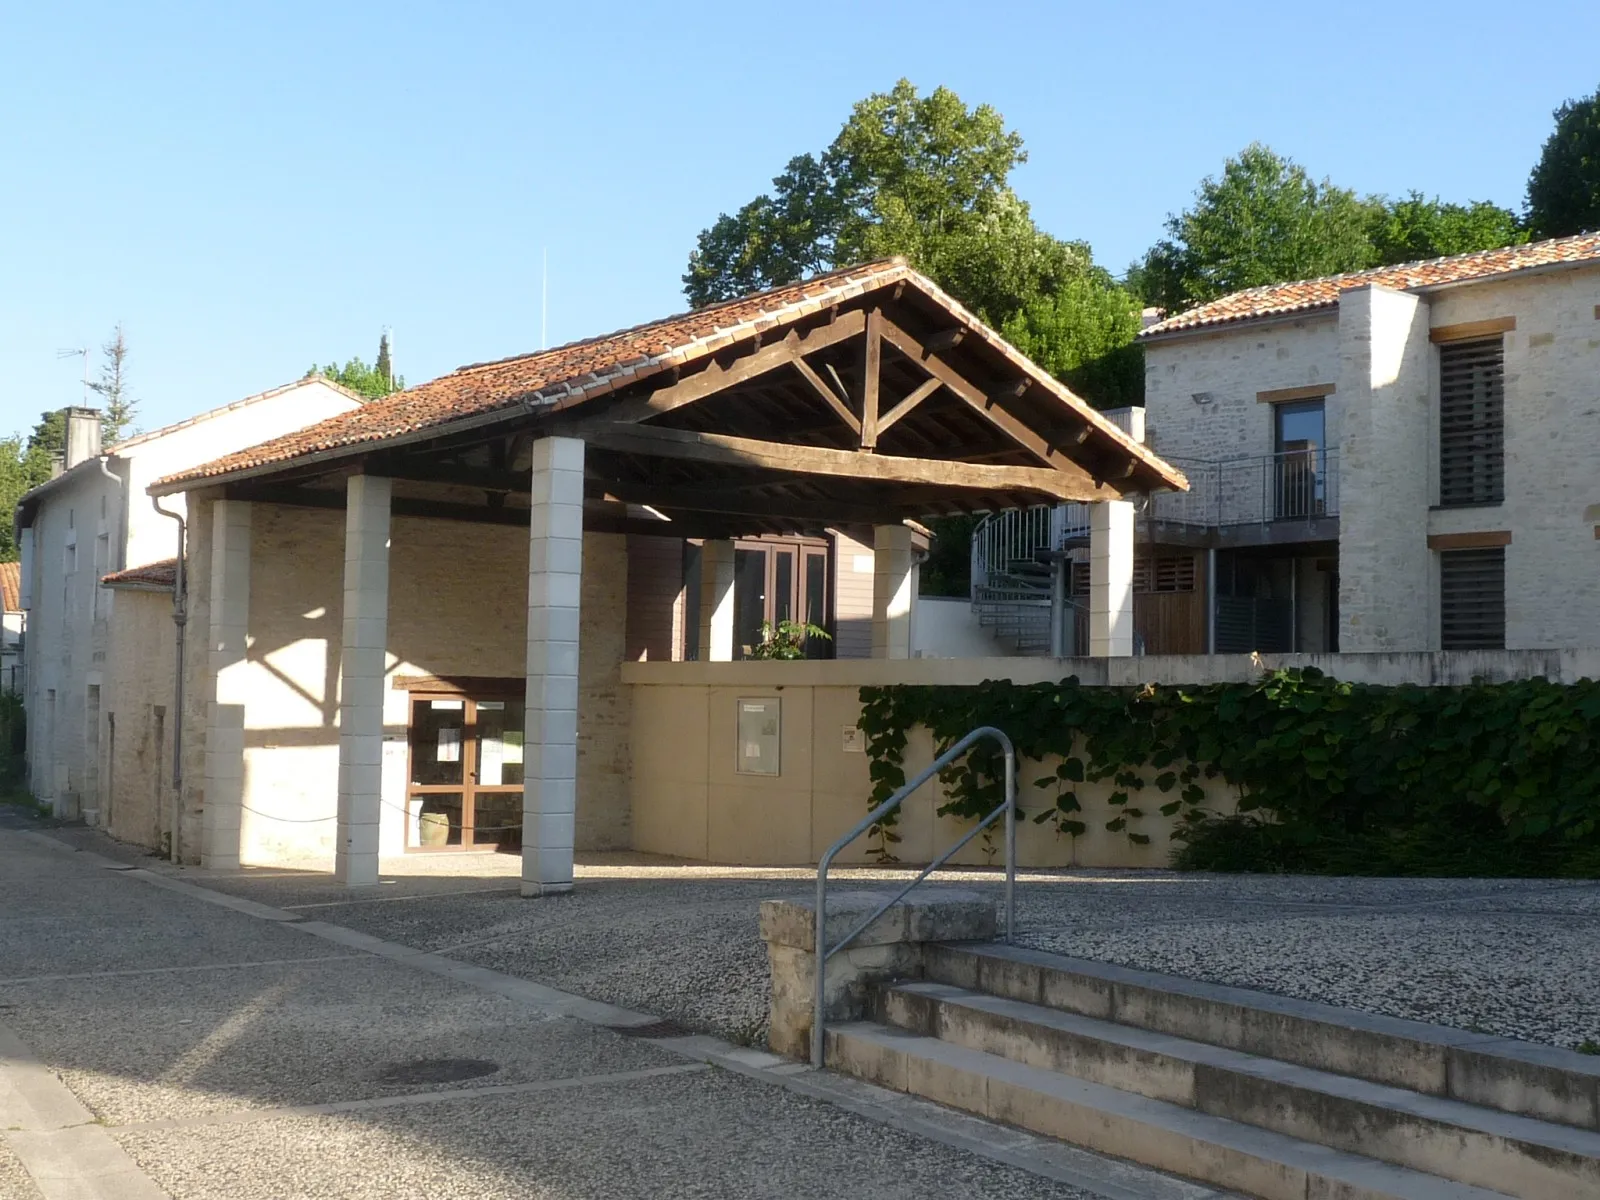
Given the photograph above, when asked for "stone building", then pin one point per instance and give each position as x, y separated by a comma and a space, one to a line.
97, 735
408, 624
1400, 459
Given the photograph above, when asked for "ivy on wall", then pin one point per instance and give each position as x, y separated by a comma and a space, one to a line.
1487, 779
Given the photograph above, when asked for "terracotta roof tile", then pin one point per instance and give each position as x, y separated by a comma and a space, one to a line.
578, 371
1280, 299
161, 574
10, 587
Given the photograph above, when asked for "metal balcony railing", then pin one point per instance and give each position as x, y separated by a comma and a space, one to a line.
1295, 485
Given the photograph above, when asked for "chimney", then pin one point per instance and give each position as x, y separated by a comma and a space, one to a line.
83, 435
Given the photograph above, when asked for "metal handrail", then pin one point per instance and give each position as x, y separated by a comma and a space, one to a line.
1008, 807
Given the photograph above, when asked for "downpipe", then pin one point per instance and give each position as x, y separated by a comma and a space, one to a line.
180, 619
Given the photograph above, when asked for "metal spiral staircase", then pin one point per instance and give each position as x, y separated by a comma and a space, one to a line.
1014, 557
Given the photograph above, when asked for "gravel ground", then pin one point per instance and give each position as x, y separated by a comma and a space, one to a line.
14, 1181
1517, 958
711, 1134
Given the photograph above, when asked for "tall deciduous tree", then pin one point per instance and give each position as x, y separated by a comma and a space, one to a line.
1564, 188
1083, 333
117, 411
24, 465
1264, 220
1417, 228
921, 176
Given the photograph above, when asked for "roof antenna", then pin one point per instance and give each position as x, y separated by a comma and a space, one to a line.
85, 353
544, 302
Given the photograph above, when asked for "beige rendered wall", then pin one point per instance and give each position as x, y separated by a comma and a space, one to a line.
138, 753
457, 607
688, 801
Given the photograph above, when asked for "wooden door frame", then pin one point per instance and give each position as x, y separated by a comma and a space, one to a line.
468, 788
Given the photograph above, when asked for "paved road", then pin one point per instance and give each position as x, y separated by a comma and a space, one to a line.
159, 1039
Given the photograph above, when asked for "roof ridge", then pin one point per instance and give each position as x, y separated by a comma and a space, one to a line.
1321, 291
869, 268
316, 376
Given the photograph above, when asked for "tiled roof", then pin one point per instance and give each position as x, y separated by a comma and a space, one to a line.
583, 370
10, 587
140, 439
1279, 299
161, 574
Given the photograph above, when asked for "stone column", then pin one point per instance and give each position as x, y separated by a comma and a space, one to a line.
1111, 579
550, 756
222, 822
363, 666
892, 588
716, 601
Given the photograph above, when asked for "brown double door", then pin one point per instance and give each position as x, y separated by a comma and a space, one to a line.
777, 581
464, 781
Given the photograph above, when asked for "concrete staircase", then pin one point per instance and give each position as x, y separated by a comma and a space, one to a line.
1258, 1094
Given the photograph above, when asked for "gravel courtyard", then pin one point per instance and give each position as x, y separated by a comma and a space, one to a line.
1516, 958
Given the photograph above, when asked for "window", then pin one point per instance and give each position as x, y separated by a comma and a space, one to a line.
464, 789
778, 581
1472, 422
1472, 599
1301, 458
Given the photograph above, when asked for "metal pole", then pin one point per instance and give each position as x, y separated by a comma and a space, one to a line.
1211, 600
819, 955
1011, 845
1058, 604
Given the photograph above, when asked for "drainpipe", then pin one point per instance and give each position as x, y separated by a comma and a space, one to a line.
180, 618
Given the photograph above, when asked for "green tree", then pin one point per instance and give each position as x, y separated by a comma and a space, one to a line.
1416, 228
374, 382
1564, 188
24, 465
921, 176
116, 417
1083, 333
1265, 220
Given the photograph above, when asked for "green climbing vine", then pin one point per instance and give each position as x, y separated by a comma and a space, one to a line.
1496, 779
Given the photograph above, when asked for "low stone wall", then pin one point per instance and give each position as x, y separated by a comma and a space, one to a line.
889, 948
691, 800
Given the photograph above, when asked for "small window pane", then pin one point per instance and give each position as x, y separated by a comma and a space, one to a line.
435, 820
749, 599
499, 742
436, 729
783, 588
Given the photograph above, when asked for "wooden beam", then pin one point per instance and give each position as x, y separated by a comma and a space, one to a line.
980, 403
1471, 329
716, 377
945, 339
873, 358
828, 394
922, 391
724, 450
1469, 541
725, 502
1312, 391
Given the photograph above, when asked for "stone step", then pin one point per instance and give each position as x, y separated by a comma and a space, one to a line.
1156, 1133
1544, 1082
1513, 1154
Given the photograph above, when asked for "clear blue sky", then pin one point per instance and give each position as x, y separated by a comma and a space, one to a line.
252, 187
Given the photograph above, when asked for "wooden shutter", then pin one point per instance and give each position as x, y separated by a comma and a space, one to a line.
1472, 422
1472, 599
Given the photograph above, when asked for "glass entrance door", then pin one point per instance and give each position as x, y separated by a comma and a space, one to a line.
464, 786
1300, 464
778, 581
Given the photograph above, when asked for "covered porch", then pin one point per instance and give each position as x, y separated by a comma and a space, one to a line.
469, 541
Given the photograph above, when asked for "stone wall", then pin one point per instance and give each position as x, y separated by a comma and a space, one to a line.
457, 607
1386, 601
1227, 369
140, 719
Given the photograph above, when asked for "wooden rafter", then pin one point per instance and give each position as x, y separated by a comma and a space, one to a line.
831, 397
716, 377
728, 451
726, 503
985, 405
920, 393
872, 361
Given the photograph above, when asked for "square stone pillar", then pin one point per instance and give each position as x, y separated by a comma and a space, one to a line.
893, 578
716, 601
363, 666
222, 820
1111, 579
550, 758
